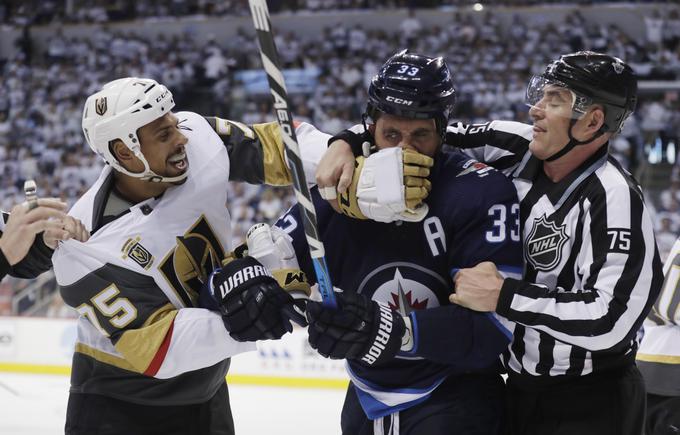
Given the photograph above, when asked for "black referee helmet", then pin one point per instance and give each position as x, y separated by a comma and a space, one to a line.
603, 79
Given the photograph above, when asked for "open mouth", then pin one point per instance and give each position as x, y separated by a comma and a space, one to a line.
179, 161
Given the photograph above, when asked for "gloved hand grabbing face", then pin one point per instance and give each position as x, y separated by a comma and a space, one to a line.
389, 185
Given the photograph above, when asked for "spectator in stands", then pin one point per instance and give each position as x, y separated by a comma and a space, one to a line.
655, 117
672, 193
654, 25
671, 34
666, 233
409, 27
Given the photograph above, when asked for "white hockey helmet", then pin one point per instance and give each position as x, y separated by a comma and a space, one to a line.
117, 111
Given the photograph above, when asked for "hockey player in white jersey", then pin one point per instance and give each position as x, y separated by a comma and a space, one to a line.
147, 358
659, 354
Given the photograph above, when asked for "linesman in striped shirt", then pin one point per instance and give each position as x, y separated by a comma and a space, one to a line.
592, 269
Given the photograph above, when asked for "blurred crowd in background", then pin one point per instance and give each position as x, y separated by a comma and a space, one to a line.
42, 91
22, 12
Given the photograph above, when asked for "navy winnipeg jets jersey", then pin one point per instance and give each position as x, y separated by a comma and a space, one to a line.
473, 217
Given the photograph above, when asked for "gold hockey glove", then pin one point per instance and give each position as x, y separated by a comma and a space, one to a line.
388, 186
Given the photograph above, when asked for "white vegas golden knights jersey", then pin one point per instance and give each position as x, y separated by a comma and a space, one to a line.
659, 354
136, 281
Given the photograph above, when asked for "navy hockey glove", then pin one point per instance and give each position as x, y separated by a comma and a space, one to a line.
359, 329
253, 305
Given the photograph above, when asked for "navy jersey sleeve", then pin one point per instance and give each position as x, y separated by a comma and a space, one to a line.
455, 335
291, 222
488, 230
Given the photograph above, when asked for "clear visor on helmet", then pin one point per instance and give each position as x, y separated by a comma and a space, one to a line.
555, 97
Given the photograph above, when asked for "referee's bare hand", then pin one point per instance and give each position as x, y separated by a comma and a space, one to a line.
65, 229
478, 288
335, 170
23, 224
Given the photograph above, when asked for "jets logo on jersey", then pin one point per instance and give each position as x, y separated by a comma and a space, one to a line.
544, 245
404, 287
474, 166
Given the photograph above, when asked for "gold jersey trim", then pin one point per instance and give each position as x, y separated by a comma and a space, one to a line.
276, 171
104, 357
139, 346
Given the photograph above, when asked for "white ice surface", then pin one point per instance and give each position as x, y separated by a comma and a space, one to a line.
36, 405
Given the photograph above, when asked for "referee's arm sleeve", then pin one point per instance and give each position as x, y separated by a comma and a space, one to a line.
4, 265
500, 144
620, 272
37, 260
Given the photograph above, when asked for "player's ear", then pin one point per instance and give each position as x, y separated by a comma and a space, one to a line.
120, 151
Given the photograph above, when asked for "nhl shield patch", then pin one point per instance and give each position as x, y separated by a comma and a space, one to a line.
543, 247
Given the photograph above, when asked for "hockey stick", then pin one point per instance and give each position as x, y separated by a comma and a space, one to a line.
270, 60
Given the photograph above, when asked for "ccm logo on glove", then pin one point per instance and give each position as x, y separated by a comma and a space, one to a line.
241, 276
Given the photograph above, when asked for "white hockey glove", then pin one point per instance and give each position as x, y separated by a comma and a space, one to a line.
272, 247
389, 185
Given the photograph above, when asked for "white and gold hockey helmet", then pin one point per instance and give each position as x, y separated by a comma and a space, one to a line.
117, 111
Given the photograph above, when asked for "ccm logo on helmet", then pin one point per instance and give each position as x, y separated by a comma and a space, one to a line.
161, 96
399, 100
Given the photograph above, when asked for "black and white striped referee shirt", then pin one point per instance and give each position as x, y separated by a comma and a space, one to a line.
592, 270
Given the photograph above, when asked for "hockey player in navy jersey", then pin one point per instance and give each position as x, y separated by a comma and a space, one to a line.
408, 374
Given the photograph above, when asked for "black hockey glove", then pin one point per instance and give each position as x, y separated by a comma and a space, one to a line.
359, 329
253, 305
